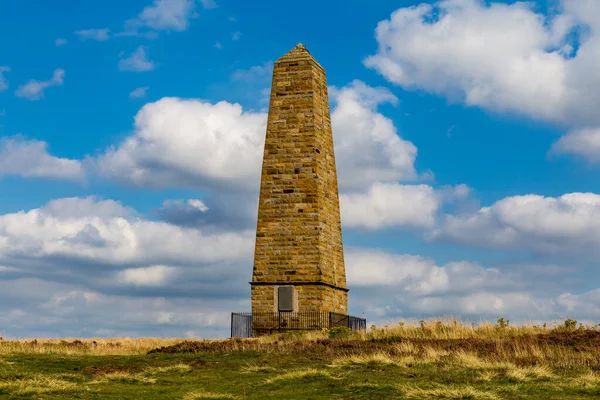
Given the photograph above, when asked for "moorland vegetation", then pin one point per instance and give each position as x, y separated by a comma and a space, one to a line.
441, 358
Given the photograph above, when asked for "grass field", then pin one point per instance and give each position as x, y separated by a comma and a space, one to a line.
434, 359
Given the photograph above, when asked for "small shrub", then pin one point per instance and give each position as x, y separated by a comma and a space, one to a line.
502, 323
292, 335
341, 332
570, 324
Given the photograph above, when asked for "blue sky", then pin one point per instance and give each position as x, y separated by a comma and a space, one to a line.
467, 143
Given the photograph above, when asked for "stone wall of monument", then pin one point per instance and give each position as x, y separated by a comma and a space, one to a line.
309, 298
298, 236
330, 240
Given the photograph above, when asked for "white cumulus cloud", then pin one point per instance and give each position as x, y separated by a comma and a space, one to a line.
583, 142
154, 275
172, 15
99, 35
389, 205
82, 259
189, 143
137, 61
80, 232
367, 145
139, 93
417, 275
257, 72
502, 57
34, 89
566, 224
73, 264
415, 286
30, 158
194, 143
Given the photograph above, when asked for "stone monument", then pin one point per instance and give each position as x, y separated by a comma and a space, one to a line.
299, 278
299, 233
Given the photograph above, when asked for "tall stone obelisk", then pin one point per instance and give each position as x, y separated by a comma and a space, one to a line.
299, 257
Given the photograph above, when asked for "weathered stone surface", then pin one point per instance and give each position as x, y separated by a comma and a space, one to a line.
298, 234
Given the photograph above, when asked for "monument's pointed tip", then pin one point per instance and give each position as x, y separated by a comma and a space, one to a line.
299, 51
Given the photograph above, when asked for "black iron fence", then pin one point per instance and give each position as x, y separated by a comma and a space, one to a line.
256, 324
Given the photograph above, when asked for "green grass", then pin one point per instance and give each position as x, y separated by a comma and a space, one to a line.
399, 365
253, 375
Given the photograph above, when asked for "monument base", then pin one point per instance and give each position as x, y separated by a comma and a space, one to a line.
257, 324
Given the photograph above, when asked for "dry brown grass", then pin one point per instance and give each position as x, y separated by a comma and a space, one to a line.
466, 392
491, 366
452, 327
381, 358
433, 355
202, 394
487, 376
476, 362
524, 374
588, 380
253, 368
147, 375
95, 346
437, 340
37, 384
408, 348
125, 377
300, 374
169, 368
473, 361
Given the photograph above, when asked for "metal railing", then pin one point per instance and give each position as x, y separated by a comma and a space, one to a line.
255, 324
